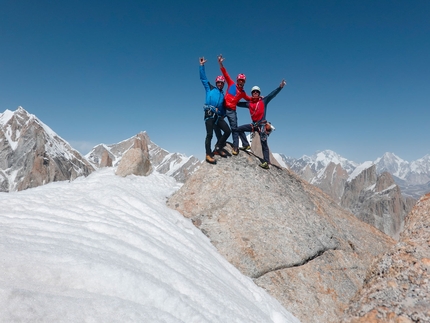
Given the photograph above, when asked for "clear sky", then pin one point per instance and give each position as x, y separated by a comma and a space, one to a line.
358, 72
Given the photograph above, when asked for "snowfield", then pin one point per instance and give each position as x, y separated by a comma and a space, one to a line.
107, 249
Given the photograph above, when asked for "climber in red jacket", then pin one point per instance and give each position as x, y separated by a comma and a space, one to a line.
234, 94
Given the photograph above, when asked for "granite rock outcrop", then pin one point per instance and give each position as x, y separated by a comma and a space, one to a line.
377, 200
136, 160
287, 235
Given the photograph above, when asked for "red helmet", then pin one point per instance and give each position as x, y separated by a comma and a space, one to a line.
220, 78
241, 77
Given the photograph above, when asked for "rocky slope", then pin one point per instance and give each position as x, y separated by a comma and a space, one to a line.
31, 154
284, 233
397, 287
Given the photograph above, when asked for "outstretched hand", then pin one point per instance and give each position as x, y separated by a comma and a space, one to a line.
202, 60
220, 59
282, 83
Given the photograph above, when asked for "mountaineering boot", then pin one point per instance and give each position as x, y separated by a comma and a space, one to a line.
245, 148
210, 159
235, 151
219, 152
264, 165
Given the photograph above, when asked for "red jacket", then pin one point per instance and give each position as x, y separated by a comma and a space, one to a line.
256, 110
233, 94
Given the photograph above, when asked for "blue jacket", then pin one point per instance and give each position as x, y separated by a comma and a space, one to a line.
214, 96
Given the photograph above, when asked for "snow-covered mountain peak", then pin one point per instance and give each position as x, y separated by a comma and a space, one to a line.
13, 122
393, 164
5, 117
421, 166
321, 159
325, 157
32, 154
390, 158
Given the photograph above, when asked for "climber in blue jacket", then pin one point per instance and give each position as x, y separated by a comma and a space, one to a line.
214, 114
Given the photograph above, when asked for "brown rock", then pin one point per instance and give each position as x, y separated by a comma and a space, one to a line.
136, 160
377, 200
106, 160
397, 286
286, 234
332, 181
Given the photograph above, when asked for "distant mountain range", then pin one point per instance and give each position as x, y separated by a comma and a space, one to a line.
412, 177
32, 154
176, 165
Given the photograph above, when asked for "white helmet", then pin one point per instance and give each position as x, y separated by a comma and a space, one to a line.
255, 88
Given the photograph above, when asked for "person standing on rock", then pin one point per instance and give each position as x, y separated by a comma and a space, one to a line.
234, 94
257, 109
214, 114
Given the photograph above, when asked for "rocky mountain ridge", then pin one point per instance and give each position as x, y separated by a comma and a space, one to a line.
412, 177
377, 200
32, 154
176, 165
373, 197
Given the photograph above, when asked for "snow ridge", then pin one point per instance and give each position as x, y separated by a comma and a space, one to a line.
106, 248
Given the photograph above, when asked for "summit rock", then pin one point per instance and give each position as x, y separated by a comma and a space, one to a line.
292, 239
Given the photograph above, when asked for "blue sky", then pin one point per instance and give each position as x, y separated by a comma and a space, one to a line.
358, 72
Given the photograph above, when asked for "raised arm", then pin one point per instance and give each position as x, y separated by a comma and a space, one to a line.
203, 77
274, 93
224, 71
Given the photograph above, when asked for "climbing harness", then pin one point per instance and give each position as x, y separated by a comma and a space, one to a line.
263, 127
211, 112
